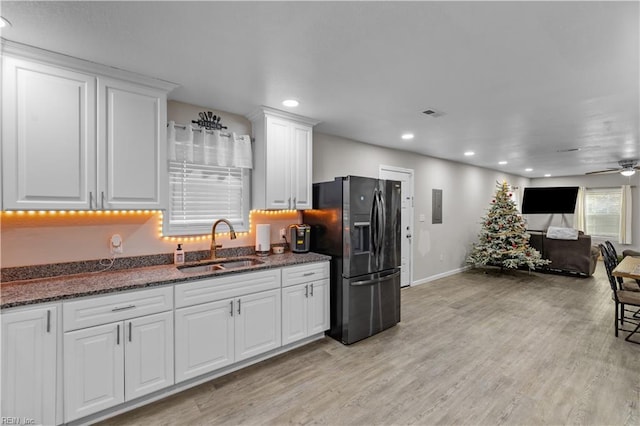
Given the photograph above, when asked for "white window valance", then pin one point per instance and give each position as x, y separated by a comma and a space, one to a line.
208, 147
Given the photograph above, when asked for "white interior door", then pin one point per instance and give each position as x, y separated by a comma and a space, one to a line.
405, 176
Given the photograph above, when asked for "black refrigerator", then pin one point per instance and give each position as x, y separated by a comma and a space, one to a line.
356, 220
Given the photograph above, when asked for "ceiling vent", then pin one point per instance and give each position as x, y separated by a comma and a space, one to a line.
433, 113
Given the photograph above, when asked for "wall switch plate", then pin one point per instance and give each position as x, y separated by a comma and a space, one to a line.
116, 244
422, 217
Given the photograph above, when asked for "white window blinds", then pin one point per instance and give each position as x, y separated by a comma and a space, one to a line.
602, 212
209, 179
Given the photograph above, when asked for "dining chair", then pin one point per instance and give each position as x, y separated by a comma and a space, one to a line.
624, 285
621, 298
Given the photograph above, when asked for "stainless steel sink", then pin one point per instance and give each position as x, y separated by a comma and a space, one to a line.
220, 265
200, 268
243, 263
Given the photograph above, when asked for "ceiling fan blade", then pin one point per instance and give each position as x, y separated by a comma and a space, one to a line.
604, 172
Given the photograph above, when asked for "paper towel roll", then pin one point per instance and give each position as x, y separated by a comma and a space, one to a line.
263, 239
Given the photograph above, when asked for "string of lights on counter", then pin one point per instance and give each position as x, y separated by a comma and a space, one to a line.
121, 213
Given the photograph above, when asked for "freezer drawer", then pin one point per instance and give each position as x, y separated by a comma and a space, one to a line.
371, 304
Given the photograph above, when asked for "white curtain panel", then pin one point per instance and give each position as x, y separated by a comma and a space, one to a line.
579, 221
625, 215
206, 147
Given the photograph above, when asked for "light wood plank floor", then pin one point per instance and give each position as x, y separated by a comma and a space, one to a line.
474, 348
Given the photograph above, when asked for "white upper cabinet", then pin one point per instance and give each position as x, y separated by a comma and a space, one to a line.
48, 136
282, 173
131, 141
76, 138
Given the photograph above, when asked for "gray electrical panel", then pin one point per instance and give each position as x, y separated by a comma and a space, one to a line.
436, 206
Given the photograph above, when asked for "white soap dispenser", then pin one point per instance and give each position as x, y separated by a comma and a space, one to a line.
178, 255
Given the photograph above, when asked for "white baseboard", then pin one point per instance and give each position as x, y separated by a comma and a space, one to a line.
442, 275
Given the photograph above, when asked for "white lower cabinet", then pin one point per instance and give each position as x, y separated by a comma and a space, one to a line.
257, 324
305, 310
29, 346
218, 333
204, 338
148, 361
305, 301
108, 364
93, 370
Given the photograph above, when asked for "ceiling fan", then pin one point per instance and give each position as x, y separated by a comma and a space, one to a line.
627, 168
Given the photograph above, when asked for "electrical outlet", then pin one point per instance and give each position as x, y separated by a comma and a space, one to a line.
441, 257
283, 233
115, 244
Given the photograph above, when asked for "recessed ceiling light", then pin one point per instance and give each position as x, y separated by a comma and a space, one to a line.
469, 153
547, 175
407, 136
502, 163
528, 170
4, 22
291, 103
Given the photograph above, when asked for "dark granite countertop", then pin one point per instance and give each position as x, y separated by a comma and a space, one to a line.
29, 292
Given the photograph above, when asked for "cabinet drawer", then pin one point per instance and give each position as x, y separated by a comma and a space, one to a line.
304, 273
212, 289
121, 306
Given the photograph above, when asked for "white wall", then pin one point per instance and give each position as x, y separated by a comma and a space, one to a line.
467, 193
604, 181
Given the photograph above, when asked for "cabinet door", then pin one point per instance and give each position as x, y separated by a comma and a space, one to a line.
93, 370
294, 313
278, 170
29, 365
131, 151
48, 137
148, 354
204, 338
301, 151
318, 307
257, 324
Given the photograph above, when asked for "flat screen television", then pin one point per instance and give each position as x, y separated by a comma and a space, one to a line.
558, 199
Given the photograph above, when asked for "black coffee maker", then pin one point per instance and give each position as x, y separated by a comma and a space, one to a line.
299, 236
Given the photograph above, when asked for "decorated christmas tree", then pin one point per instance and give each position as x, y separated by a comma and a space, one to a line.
503, 240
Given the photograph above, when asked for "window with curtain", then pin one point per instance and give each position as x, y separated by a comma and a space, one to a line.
209, 179
602, 212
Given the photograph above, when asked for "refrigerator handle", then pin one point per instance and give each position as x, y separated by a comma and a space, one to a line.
375, 280
374, 225
382, 223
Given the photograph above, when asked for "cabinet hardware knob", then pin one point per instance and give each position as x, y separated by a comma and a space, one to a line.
118, 334
311, 289
48, 321
90, 200
102, 200
307, 274
130, 331
306, 291
231, 308
238, 306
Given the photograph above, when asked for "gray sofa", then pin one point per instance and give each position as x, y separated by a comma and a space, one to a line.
574, 257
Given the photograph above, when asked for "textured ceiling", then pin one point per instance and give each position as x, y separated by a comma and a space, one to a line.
523, 82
